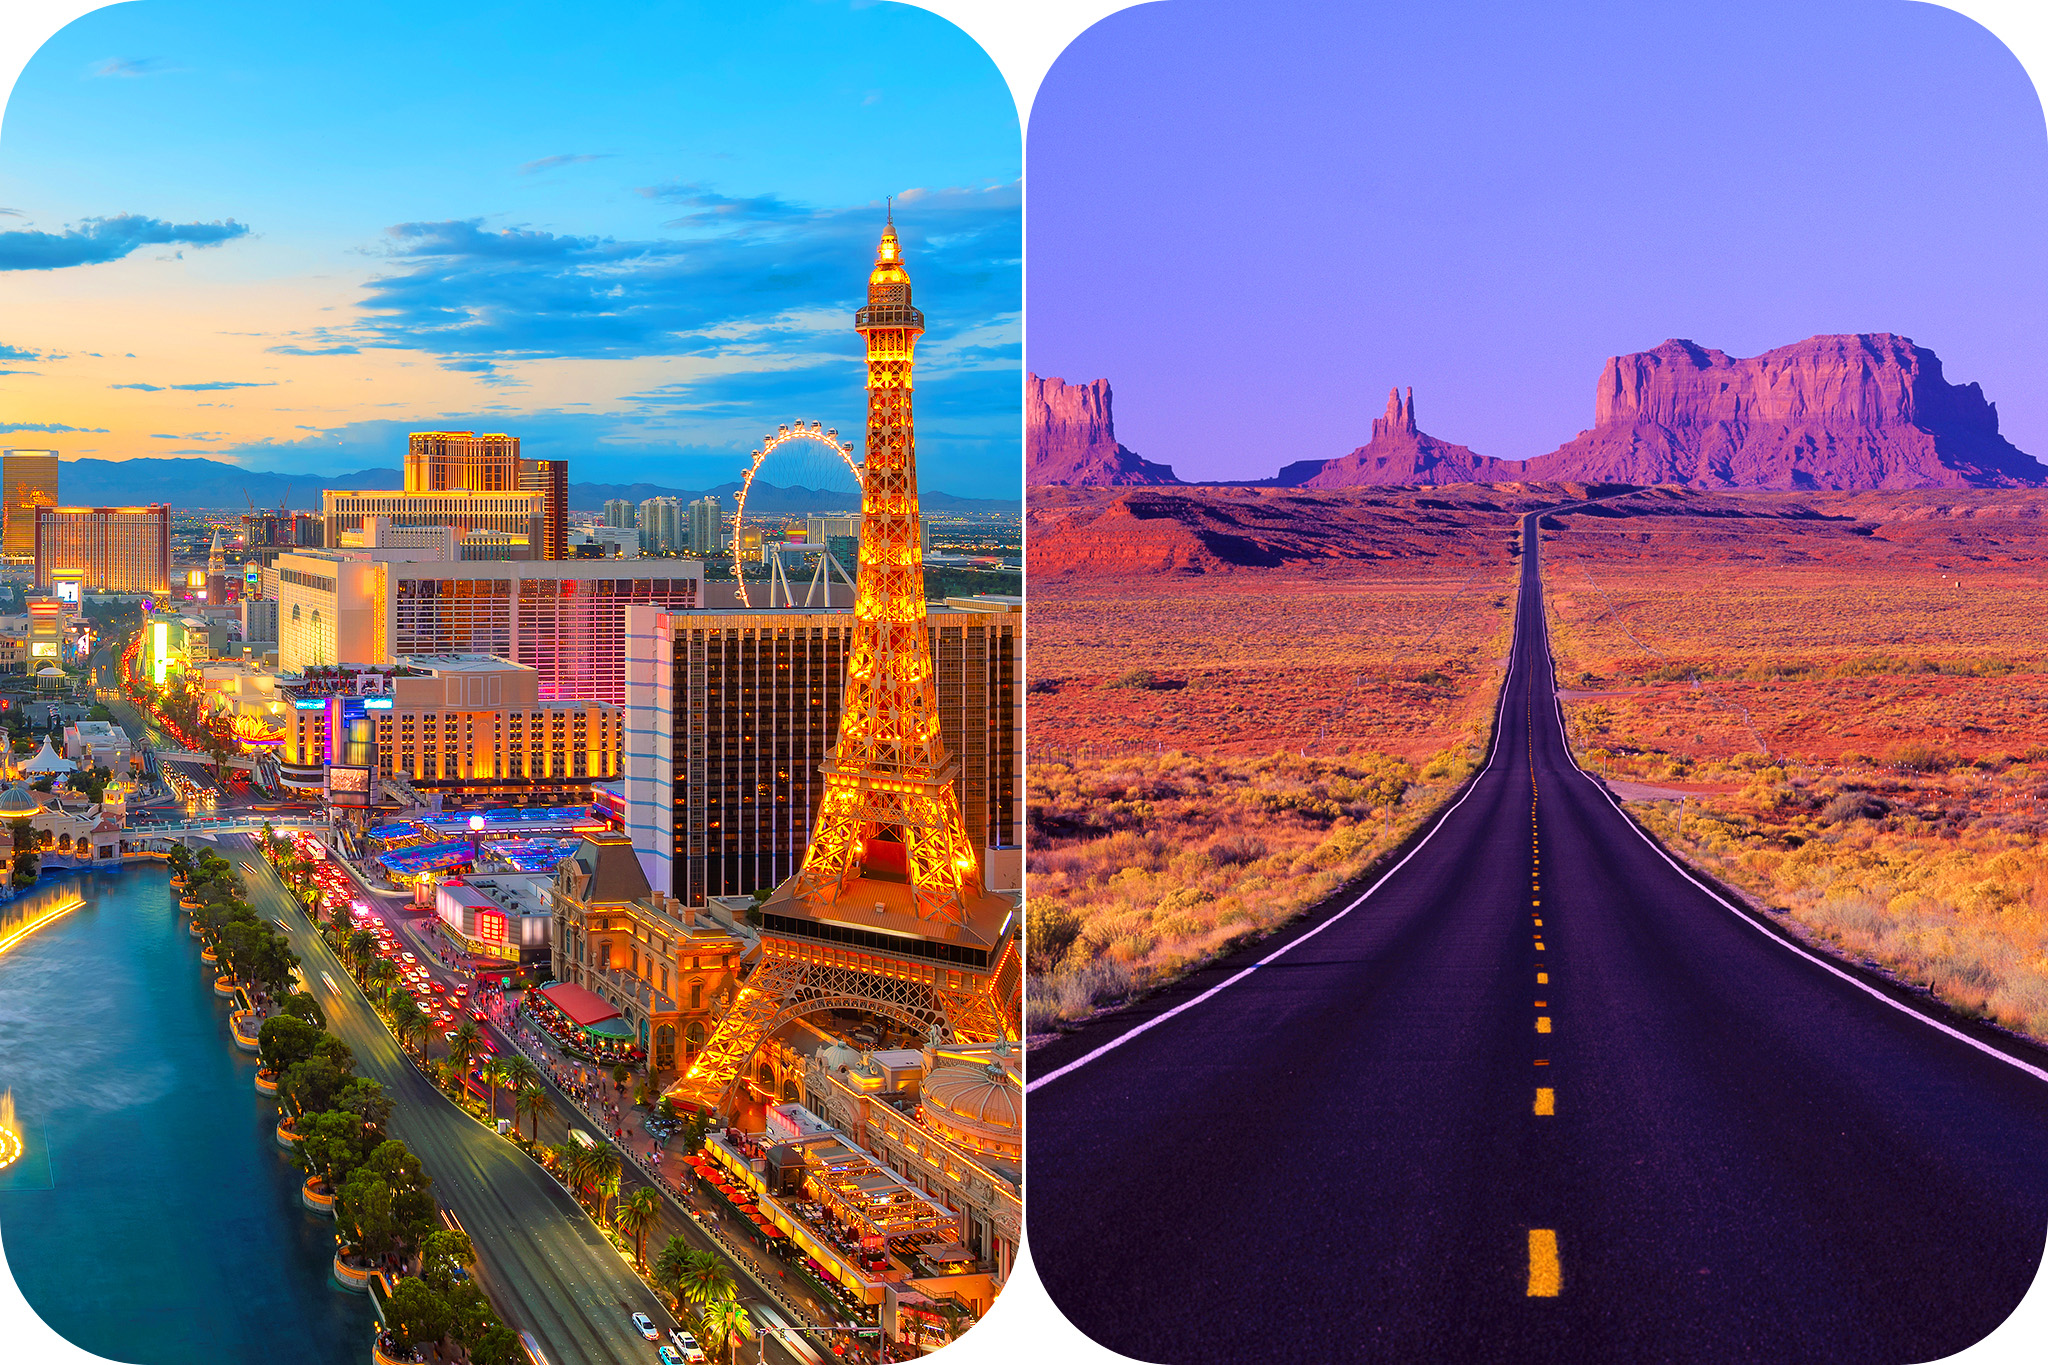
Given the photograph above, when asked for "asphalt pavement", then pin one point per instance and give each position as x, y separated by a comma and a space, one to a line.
1538, 1096
551, 1272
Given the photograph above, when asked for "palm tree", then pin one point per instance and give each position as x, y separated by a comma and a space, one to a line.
361, 944
515, 1073
637, 1216
605, 1170
467, 1042
725, 1326
705, 1280
494, 1076
576, 1168
671, 1266
534, 1102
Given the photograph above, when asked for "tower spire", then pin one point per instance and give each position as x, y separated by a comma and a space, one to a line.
889, 908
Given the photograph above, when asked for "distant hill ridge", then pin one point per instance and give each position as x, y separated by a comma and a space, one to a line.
1848, 412
199, 482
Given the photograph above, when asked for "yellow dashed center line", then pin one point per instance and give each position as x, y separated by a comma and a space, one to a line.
1546, 1100
1543, 1023
1543, 978
1546, 1274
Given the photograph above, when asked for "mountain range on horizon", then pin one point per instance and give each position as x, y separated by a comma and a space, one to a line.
1856, 411
204, 483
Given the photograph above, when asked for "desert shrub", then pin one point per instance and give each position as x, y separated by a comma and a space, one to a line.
1144, 679
1233, 850
1050, 931
1920, 757
1854, 805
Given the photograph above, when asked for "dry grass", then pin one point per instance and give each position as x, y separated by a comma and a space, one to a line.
1867, 738
1144, 866
1215, 752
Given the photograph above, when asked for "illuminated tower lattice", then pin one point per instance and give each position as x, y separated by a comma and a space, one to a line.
889, 913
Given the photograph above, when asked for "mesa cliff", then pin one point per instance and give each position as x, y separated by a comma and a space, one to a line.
1070, 439
1838, 413
1869, 410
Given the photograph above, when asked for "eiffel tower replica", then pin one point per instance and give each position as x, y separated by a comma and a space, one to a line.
889, 913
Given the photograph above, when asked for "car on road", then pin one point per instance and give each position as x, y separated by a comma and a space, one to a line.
670, 1356
687, 1346
645, 1326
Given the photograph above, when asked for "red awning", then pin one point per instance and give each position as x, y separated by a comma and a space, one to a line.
584, 1006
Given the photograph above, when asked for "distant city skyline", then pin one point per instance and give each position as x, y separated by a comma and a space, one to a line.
1255, 220
288, 243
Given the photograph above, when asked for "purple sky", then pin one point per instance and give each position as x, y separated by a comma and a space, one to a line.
1253, 219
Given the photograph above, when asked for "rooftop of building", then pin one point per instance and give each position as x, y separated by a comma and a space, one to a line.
463, 663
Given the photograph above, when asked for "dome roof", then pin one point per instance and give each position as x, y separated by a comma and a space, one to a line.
18, 801
835, 1055
978, 1105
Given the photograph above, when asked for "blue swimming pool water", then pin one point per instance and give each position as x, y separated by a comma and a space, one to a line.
154, 1219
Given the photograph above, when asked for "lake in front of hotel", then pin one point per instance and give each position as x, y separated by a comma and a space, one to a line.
153, 1217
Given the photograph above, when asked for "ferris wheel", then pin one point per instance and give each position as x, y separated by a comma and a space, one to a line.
826, 464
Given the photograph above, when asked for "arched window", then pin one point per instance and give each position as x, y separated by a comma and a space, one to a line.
766, 1076
693, 1038
295, 611
665, 1048
789, 1095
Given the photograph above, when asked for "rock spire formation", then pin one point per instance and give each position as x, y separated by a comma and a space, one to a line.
1867, 410
1400, 453
1070, 439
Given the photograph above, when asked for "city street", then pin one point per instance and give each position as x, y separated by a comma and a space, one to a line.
580, 1262
551, 1272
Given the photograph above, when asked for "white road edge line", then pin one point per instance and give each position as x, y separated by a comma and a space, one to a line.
1500, 710
1750, 920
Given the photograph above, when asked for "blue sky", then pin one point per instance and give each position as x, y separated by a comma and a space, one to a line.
1253, 220
280, 234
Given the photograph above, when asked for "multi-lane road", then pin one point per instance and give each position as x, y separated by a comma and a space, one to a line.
550, 1270
1537, 1095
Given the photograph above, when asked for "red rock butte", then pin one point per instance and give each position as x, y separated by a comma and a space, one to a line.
1070, 435
1863, 411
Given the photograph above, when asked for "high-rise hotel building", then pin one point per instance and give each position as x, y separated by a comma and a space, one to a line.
28, 480
499, 505
105, 549
729, 715
565, 620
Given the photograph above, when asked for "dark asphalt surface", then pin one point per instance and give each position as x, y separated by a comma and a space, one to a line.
1340, 1156
550, 1270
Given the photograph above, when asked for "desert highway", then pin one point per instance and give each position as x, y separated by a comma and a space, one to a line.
1536, 1095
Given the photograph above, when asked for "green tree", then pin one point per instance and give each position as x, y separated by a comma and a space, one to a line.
519, 1072
336, 1143
415, 1315
639, 1213
300, 1005
463, 1048
497, 1345
724, 1324
363, 1213
284, 1041
605, 1170
705, 1281
362, 945
310, 1086
621, 1073
28, 864
670, 1266
472, 1314
365, 1099
535, 1104
441, 1254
